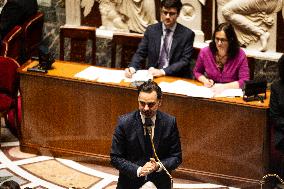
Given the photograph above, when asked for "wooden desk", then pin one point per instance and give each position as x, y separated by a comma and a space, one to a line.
223, 140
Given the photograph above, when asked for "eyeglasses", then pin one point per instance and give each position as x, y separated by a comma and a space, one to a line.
222, 40
169, 13
149, 104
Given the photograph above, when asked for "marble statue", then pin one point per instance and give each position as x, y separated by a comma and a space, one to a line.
111, 18
87, 6
220, 5
2, 3
139, 13
124, 15
251, 18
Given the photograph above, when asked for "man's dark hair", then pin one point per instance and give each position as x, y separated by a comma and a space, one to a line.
234, 45
10, 184
150, 86
281, 68
172, 4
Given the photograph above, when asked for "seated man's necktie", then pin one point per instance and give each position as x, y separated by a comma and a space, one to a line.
164, 54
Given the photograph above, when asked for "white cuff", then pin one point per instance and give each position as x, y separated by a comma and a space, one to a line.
132, 70
160, 167
138, 171
163, 71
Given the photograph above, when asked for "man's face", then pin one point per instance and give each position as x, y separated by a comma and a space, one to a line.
169, 16
148, 103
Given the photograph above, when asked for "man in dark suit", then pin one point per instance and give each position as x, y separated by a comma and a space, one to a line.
130, 152
16, 12
179, 45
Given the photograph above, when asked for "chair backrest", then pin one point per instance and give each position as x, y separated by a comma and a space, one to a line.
12, 43
128, 43
32, 32
9, 78
79, 37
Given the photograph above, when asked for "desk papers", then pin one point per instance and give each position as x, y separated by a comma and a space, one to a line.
101, 75
189, 89
178, 87
112, 76
90, 73
140, 75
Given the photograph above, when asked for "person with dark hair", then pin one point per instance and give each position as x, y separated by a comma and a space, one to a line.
168, 45
223, 62
10, 184
16, 12
132, 154
277, 107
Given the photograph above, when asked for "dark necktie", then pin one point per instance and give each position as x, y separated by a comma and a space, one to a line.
164, 55
148, 145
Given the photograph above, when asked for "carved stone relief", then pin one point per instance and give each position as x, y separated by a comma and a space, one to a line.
2, 3
111, 18
139, 13
122, 15
190, 16
136, 15
253, 20
73, 15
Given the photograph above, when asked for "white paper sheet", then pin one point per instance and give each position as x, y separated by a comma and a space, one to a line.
140, 75
230, 93
111, 76
189, 89
90, 73
186, 88
101, 75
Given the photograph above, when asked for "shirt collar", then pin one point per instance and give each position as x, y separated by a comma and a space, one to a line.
173, 28
152, 118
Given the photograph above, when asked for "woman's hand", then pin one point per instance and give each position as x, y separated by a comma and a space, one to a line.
208, 83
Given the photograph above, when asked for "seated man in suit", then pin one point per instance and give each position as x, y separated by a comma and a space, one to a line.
16, 12
167, 44
131, 150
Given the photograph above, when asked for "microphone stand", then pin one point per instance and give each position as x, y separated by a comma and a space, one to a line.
157, 158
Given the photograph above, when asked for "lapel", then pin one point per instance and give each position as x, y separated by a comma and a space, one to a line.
159, 124
139, 130
176, 39
158, 35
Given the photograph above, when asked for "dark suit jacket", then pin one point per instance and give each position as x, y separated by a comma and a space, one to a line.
16, 12
180, 53
127, 150
277, 113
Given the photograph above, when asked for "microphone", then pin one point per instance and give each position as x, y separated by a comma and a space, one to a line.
148, 124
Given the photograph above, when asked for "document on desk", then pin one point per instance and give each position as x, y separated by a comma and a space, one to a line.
111, 76
186, 88
101, 75
230, 93
189, 89
140, 75
90, 73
